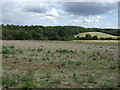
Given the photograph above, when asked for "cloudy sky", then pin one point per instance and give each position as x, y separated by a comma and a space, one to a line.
86, 14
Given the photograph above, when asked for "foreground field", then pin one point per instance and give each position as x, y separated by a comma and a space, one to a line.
59, 64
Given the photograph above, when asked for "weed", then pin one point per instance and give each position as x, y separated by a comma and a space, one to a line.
78, 63
40, 49
56, 81
29, 49
6, 80
75, 77
28, 78
64, 51
62, 64
49, 51
4, 47
83, 52
29, 84
91, 79
6, 51
12, 46
89, 48
113, 66
44, 59
19, 51
14, 82
107, 85
100, 46
51, 62
94, 59
6, 56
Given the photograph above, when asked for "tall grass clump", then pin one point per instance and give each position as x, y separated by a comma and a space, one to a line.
12, 47
19, 51
6, 51
40, 49
64, 51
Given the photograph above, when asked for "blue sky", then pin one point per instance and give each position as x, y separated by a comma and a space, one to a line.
86, 14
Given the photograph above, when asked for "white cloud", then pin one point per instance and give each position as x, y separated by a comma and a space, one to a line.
61, 11
53, 12
48, 17
26, 13
46, 14
93, 19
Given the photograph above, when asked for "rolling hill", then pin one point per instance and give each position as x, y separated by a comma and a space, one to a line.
99, 34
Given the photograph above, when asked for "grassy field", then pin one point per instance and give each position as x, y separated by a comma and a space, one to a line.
99, 34
60, 64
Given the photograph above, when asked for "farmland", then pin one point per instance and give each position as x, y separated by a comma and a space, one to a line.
99, 34
60, 64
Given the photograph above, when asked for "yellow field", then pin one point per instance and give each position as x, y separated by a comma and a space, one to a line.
99, 34
100, 41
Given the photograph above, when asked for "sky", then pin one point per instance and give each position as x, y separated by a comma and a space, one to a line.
85, 14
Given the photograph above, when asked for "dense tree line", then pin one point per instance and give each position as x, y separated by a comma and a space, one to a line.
36, 32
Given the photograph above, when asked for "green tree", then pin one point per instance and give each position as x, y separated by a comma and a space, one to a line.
88, 37
95, 37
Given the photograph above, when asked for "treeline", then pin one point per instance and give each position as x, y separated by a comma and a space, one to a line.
89, 37
36, 32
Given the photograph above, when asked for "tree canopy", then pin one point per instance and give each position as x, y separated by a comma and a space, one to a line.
37, 32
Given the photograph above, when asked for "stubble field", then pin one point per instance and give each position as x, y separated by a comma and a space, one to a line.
60, 64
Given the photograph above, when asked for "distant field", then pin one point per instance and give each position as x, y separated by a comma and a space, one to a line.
60, 64
99, 34
98, 41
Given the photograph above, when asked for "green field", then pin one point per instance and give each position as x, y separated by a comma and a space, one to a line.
99, 34
60, 64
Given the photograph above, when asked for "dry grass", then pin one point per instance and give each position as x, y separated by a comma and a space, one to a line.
99, 34
98, 41
57, 64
